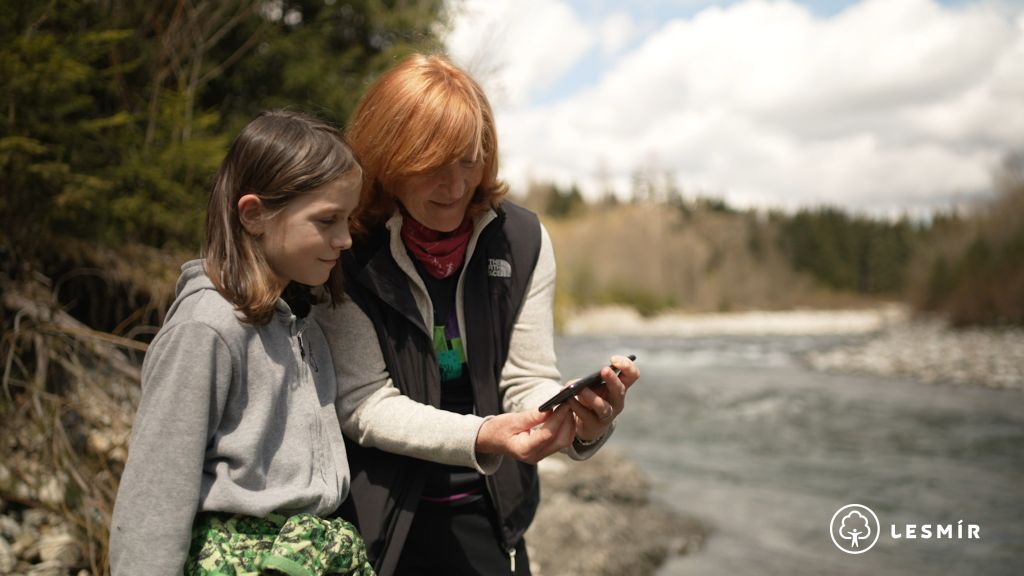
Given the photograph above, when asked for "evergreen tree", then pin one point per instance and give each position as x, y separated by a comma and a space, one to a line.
116, 114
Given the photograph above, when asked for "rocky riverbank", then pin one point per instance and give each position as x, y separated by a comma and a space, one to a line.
36, 542
596, 517
65, 442
623, 320
894, 342
930, 351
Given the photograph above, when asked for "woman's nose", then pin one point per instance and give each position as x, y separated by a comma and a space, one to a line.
454, 183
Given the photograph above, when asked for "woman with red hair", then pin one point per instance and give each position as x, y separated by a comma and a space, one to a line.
456, 285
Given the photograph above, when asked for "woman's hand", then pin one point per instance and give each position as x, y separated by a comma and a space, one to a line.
528, 436
595, 410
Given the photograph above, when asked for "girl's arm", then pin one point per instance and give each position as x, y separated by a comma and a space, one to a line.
186, 376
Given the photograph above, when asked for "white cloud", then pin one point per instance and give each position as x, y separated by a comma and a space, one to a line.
888, 105
515, 48
616, 31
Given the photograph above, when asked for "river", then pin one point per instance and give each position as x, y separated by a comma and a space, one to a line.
739, 433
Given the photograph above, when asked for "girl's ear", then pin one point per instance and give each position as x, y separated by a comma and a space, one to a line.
250, 213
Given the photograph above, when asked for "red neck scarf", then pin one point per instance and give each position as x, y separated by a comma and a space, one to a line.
441, 253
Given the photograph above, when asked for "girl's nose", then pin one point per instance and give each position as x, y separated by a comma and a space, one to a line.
342, 241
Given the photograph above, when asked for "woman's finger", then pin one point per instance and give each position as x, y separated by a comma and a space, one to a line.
615, 390
586, 417
594, 402
629, 371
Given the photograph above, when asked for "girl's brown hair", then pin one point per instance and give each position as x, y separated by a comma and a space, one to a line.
278, 156
419, 116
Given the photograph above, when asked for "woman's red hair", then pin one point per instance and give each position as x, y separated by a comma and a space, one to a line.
418, 116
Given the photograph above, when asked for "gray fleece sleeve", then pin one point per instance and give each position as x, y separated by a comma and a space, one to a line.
374, 413
186, 376
530, 375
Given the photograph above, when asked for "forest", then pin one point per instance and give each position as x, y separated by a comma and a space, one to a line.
965, 265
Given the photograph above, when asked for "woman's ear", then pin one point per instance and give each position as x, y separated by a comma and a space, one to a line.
250, 213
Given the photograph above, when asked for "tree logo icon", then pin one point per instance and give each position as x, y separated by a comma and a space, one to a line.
854, 528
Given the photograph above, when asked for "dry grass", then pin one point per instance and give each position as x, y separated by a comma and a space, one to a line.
68, 395
67, 413
654, 257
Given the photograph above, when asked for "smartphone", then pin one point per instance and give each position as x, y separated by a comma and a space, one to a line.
590, 381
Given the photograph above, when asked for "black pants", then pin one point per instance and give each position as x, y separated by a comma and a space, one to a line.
458, 540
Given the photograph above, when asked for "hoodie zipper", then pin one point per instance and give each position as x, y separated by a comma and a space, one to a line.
302, 354
324, 450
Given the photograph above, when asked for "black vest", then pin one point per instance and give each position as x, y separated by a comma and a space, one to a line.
386, 488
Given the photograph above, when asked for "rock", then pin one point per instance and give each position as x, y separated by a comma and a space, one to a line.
605, 479
60, 547
596, 517
8, 560
33, 518
550, 467
51, 568
52, 492
930, 352
99, 442
9, 528
21, 491
25, 545
6, 479
119, 454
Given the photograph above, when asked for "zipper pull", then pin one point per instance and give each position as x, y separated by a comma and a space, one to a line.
302, 353
512, 559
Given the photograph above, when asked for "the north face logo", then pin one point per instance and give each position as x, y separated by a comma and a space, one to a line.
497, 268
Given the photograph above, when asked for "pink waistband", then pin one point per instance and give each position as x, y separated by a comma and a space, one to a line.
451, 498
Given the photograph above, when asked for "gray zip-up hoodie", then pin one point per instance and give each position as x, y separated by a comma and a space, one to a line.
234, 418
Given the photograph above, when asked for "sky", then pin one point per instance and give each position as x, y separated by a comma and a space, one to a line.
878, 106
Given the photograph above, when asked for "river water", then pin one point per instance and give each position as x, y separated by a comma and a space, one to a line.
740, 434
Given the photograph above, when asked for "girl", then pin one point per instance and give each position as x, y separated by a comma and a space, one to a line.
236, 452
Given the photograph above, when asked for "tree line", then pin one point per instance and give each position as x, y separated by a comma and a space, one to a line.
965, 264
